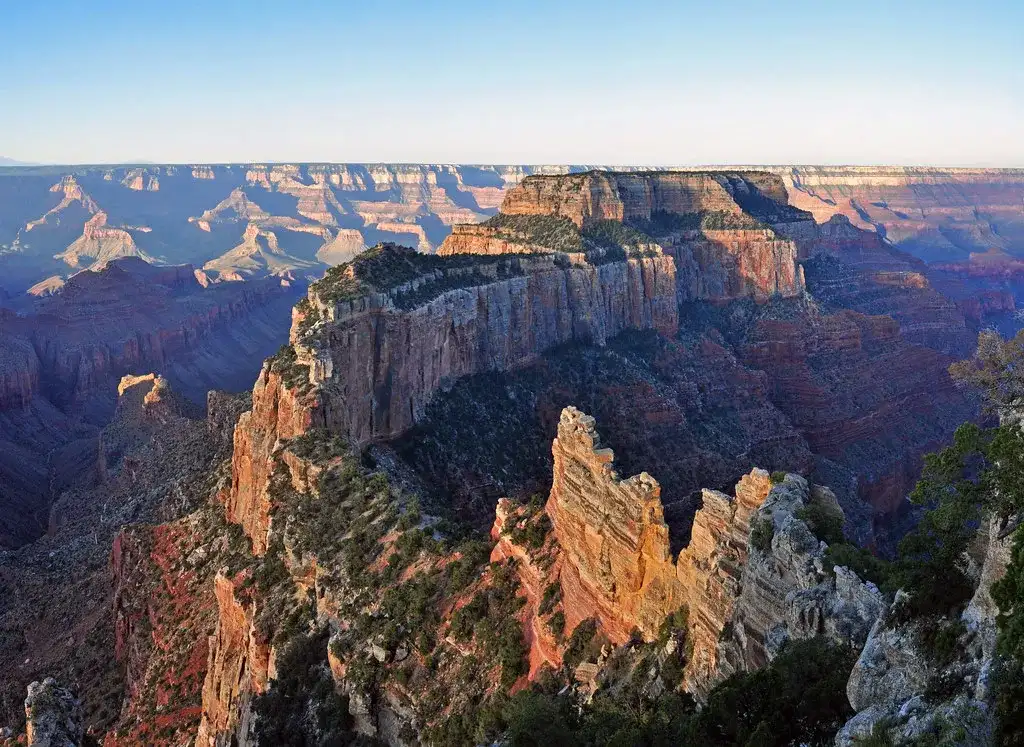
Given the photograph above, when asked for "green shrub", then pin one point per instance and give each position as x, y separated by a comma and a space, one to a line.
762, 531
534, 719
552, 596
549, 231
556, 623
778, 477
578, 646
862, 562
825, 522
674, 624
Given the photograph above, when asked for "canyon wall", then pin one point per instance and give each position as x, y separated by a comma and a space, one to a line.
382, 364
596, 196
131, 317
744, 600
59, 367
934, 214
54, 220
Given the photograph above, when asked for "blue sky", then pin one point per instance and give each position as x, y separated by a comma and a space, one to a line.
555, 82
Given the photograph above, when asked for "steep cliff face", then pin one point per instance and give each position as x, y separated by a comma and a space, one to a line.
123, 611
60, 366
708, 222
789, 591
133, 316
278, 412
595, 196
860, 394
744, 600
617, 565
239, 667
382, 363
935, 214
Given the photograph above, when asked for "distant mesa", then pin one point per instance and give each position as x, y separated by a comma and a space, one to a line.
259, 254
196, 213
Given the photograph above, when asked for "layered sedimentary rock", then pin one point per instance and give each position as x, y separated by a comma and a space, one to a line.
744, 602
258, 255
130, 315
239, 668
860, 395
278, 412
321, 213
100, 243
506, 320
935, 214
595, 196
60, 366
789, 591
731, 254
617, 565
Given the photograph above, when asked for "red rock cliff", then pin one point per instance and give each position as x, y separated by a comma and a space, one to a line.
380, 364
616, 564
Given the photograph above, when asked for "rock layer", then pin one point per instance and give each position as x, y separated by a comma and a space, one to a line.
615, 563
380, 365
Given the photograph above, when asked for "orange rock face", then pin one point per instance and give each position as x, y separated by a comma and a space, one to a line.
595, 196
712, 264
239, 667
278, 412
386, 363
615, 560
710, 567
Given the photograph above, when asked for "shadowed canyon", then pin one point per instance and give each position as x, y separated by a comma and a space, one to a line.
410, 454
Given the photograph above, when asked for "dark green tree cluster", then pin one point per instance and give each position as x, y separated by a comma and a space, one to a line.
800, 699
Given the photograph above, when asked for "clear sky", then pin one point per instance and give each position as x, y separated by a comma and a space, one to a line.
635, 82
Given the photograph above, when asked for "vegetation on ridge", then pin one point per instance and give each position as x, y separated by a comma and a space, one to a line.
387, 266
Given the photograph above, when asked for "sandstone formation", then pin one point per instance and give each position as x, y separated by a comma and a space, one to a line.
615, 564
788, 591
514, 311
733, 256
935, 214
595, 196
258, 255
278, 412
239, 668
320, 213
100, 244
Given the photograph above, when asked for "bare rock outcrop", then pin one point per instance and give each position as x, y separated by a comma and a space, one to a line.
731, 254
239, 667
744, 602
513, 312
788, 591
617, 565
892, 684
278, 412
53, 716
